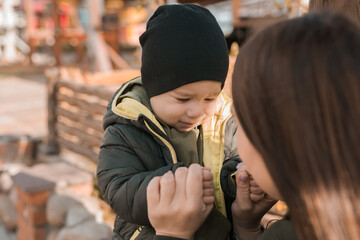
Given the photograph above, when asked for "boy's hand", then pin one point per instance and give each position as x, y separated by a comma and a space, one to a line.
249, 206
256, 193
176, 204
208, 194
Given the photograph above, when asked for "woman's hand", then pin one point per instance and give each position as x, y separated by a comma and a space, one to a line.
250, 205
178, 203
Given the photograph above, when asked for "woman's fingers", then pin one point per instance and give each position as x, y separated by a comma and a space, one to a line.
180, 183
167, 188
153, 192
194, 183
178, 203
242, 183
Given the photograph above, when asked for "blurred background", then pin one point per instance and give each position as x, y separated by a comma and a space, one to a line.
95, 34
60, 63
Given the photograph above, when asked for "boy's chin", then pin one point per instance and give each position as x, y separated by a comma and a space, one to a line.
184, 130
181, 127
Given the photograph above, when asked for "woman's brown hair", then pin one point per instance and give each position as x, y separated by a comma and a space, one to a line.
296, 91
349, 7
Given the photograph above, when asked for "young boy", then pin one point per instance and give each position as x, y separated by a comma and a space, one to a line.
174, 115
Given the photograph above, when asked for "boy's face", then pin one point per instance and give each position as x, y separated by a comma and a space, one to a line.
188, 106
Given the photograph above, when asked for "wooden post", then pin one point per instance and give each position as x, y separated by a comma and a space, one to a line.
57, 32
52, 76
33, 193
236, 15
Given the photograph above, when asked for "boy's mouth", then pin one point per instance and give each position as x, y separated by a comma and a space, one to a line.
188, 125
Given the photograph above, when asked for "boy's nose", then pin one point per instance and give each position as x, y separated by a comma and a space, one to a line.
196, 110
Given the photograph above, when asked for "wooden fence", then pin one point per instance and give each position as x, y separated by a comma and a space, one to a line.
76, 106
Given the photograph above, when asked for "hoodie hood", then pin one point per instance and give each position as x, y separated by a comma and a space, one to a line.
131, 105
130, 102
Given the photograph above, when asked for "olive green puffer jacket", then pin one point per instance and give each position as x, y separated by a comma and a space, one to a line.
135, 148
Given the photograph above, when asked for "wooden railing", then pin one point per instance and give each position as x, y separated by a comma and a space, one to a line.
76, 107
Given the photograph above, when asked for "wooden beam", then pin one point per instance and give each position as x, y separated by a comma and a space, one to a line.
99, 91
90, 108
76, 147
85, 138
81, 118
116, 58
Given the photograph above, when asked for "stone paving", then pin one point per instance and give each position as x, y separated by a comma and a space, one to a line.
23, 105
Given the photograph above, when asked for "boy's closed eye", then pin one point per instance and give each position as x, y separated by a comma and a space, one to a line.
182, 99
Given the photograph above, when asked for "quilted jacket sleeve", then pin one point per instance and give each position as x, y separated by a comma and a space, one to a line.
231, 160
230, 141
129, 158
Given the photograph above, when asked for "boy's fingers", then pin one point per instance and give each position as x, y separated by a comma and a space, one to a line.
209, 200
153, 192
253, 182
167, 188
206, 169
208, 184
207, 175
208, 192
266, 203
256, 197
208, 208
269, 199
256, 190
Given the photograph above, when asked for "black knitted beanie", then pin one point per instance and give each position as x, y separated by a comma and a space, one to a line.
182, 44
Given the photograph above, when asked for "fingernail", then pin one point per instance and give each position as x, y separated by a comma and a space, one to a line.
244, 178
208, 169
